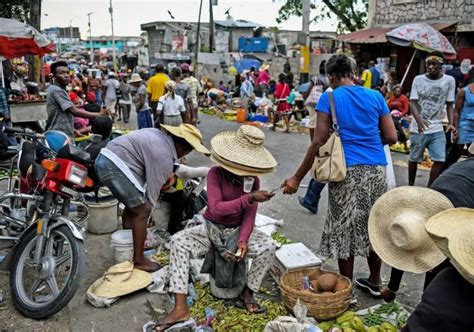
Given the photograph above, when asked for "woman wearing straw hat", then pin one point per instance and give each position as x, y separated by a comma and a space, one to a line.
140, 100
171, 109
136, 166
455, 187
233, 189
447, 303
365, 125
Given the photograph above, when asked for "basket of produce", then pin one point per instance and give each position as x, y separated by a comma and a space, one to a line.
326, 294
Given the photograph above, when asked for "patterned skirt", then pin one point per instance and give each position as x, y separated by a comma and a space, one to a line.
350, 201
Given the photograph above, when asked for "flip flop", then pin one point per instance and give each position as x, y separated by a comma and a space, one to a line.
165, 326
241, 304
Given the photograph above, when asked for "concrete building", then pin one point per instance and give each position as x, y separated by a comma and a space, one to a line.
123, 44
64, 38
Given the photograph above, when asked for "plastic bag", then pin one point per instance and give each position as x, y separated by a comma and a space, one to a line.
391, 182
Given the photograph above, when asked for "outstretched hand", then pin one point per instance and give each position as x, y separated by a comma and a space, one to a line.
290, 186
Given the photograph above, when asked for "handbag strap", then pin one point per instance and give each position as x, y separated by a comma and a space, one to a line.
335, 126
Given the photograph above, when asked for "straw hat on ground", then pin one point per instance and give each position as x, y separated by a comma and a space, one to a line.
453, 232
397, 228
190, 133
242, 153
119, 280
135, 78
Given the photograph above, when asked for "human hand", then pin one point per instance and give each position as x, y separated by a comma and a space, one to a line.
242, 250
104, 111
422, 125
261, 196
290, 185
454, 132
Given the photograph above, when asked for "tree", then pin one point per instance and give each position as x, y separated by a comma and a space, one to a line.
16, 9
352, 14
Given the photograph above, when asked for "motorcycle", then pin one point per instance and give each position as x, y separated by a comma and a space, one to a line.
45, 248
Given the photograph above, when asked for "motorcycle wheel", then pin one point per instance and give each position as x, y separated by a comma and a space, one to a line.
40, 292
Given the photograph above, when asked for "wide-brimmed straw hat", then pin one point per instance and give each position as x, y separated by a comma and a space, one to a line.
170, 85
135, 78
119, 280
453, 232
242, 152
397, 228
190, 133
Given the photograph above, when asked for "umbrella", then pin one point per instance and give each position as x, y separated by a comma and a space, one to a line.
18, 39
420, 36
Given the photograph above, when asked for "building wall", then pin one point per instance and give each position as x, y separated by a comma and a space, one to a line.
406, 11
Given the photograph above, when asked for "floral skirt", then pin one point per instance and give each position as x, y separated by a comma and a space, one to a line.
350, 201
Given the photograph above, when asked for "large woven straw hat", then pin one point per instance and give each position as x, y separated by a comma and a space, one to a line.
119, 280
242, 152
453, 232
190, 133
397, 228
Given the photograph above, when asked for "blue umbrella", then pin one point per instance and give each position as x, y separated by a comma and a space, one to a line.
246, 64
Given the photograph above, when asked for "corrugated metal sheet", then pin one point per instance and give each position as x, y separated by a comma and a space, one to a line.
237, 24
366, 36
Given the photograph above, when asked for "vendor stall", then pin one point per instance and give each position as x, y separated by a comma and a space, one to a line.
18, 39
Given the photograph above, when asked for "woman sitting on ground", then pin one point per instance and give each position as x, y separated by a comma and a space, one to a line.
399, 106
233, 197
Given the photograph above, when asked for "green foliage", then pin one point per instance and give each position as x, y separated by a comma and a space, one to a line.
351, 14
16, 9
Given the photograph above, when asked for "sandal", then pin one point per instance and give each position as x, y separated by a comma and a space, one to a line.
258, 309
165, 326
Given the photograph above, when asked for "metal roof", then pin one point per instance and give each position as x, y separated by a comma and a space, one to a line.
366, 36
237, 23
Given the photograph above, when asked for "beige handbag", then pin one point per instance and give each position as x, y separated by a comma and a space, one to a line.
330, 163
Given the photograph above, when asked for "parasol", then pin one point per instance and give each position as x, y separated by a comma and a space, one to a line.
18, 39
420, 36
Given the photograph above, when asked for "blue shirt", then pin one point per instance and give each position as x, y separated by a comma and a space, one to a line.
358, 111
375, 77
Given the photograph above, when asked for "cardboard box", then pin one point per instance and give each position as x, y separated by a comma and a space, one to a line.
291, 257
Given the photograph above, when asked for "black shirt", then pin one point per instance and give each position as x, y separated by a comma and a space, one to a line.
457, 184
446, 305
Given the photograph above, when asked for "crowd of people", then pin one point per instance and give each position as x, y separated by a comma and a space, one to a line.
363, 219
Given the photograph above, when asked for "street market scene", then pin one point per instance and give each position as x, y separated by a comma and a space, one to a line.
237, 165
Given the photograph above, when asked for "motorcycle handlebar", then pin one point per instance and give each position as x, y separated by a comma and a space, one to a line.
20, 131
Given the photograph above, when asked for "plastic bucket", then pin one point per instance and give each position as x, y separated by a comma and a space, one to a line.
103, 217
122, 244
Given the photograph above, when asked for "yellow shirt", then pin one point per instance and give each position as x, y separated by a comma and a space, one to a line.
156, 86
367, 78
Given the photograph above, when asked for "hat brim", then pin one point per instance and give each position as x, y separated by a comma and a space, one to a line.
137, 280
238, 170
134, 81
424, 203
191, 139
471, 149
453, 232
226, 147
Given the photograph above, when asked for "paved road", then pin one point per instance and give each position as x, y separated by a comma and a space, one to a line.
131, 312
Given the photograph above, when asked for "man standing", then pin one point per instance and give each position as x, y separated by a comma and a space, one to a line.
61, 110
156, 87
375, 83
456, 73
366, 77
95, 85
430, 92
110, 92
183, 90
140, 100
196, 89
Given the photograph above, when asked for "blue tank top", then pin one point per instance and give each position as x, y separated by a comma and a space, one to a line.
467, 112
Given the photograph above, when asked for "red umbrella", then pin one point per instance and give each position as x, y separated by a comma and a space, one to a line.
18, 39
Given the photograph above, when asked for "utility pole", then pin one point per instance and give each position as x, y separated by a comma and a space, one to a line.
211, 25
35, 21
111, 11
305, 53
70, 35
198, 39
90, 37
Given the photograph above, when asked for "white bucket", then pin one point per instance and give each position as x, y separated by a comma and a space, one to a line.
102, 217
122, 244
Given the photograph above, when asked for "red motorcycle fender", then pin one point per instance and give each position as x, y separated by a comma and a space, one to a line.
77, 231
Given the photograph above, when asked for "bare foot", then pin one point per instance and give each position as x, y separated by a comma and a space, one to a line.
175, 316
147, 265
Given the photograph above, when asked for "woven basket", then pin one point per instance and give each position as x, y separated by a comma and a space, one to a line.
320, 306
